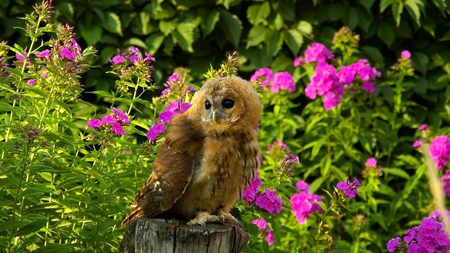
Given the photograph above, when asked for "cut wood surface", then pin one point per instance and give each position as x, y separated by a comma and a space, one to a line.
145, 235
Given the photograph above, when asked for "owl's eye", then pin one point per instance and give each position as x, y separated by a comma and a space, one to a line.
228, 103
207, 105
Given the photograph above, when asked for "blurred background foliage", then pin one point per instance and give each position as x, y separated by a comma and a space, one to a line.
197, 34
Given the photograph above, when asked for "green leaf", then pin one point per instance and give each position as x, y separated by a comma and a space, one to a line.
154, 42
274, 41
136, 42
413, 7
373, 53
167, 26
287, 10
231, 26
90, 32
397, 172
305, 27
386, 3
112, 23
367, 4
386, 32
31, 227
420, 62
258, 13
185, 36
316, 184
256, 35
211, 21
56, 248
397, 9
353, 18
294, 39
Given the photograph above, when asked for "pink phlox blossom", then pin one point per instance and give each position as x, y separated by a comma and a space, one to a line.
263, 75
318, 52
445, 182
304, 204
21, 57
262, 225
66, 53
394, 244
369, 86
252, 191
94, 123
371, 162
422, 127
298, 61
31, 81
405, 54
120, 116
440, 150
118, 59
350, 189
417, 143
154, 131
172, 109
108, 120
149, 58
282, 81
44, 53
117, 128
269, 201
302, 186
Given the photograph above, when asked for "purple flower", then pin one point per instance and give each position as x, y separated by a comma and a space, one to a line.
148, 57
302, 186
405, 54
252, 191
445, 181
417, 143
134, 58
298, 61
154, 131
350, 189
31, 81
318, 53
120, 116
304, 204
347, 74
440, 150
172, 109
369, 86
94, 123
43, 75
263, 75
394, 244
283, 81
269, 201
108, 120
422, 127
117, 59
371, 162
174, 77
66, 53
44, 53
117, 128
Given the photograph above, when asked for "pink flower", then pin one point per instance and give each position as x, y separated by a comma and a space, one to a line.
350, 189
44, 53
117, 59
422, 127
262, 225
440, 150
371, 162
108, 120
405, 54
283, 81
120, 116
117, 129
31, 81
21, 57
269, 201
445, 181
369, 86
304, 204
302, 186
318, 53
263, 75
298, 61
66, 53
154, 131
417, 143
252, 191
94, 123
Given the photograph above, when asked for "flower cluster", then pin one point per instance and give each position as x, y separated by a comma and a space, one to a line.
345, 39
422, 128
330, 83
279, 150
275, 82
403, 67
440, 151
304, 203
173, 108
350, 189
266, 231
111, 123
372, 169
130, 64
266, 200
429, 236
175, 86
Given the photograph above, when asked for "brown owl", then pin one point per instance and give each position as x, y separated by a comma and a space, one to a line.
207, 158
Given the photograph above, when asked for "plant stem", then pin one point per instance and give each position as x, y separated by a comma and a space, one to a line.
134, 96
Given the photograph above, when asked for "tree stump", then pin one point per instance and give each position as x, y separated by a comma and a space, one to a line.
145, 235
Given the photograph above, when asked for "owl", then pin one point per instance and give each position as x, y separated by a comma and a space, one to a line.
207, 157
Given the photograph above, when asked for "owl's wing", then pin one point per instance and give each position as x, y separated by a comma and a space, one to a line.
171, 172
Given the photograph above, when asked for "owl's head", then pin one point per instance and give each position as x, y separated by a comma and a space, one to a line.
225, 103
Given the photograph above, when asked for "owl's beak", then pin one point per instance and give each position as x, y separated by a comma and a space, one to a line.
214, 117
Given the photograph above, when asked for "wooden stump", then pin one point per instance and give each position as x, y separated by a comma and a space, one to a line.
146, 235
